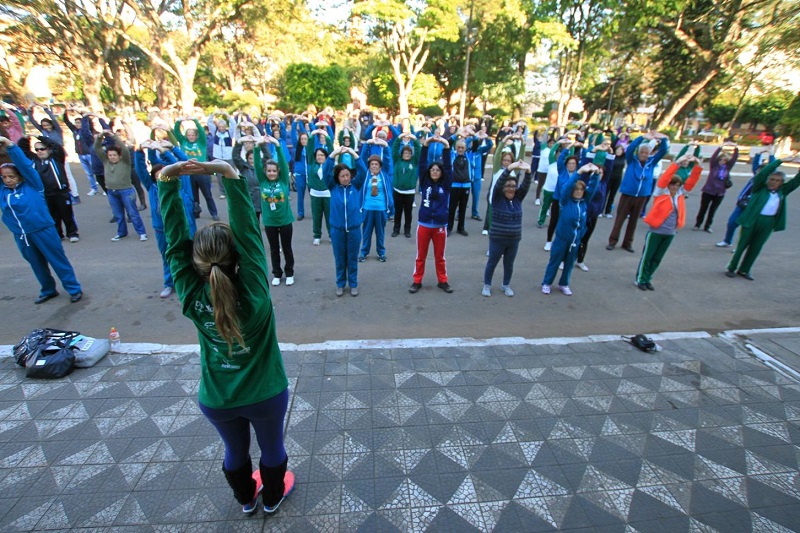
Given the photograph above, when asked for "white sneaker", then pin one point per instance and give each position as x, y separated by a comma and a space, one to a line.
276, 281
609, 215
547, 246
74, 239
222, 196
91, 193
582, 266
166, 292
290, 280
537, 202
487, 290
104, 193
487, 253
507, 290
561, 266
142, 237
316, 242
485, 232
723, 244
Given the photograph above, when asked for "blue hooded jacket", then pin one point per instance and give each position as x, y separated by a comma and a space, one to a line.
24, 207
638, 179
572, 218
433, 207
345, 201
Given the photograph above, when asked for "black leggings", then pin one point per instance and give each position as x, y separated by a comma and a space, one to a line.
403, 207
710, 203
591, 223
284, 235
555, 209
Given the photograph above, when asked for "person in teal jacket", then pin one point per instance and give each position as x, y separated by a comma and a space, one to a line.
221, 280
193, 142
765, 213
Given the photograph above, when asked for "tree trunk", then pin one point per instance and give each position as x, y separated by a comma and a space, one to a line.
92, 75
677, 105
187, 73
402, 100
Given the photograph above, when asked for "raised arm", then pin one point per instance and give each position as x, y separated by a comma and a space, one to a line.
23, 164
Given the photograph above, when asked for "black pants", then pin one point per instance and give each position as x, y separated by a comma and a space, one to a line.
555, 209
403, 207
709, 203
284, 235
611, 192
591, 223
540, 177
137, 184
60, 206
458, 200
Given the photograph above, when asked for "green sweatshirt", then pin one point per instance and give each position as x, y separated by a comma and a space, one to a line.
405, 172
193, 150
274, 193
315, 180
684, 172
250, 373
118, 175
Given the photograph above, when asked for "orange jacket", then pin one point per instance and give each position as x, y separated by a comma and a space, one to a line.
662, 204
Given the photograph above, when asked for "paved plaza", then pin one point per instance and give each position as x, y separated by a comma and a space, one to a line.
450, 435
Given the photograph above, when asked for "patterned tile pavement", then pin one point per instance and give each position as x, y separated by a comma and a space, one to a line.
591, 436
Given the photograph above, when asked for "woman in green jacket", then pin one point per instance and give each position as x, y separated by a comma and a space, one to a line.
193, 143
276, 211
221, 280
765, 213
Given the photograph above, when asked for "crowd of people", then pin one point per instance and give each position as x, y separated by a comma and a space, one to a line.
365, 171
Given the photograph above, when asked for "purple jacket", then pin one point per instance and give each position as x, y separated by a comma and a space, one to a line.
717, 174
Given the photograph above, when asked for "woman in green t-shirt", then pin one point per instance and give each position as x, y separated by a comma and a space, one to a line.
221, 280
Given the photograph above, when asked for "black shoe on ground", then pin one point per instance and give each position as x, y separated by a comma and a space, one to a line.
642, 286
75, 297
42, 299
395, 233
445, 287
113, 219
629, 249
415, 287
746, 275
301, 217
649, 286
408, 235
463, 232
449, 232
730, 273
610, 247
476, 217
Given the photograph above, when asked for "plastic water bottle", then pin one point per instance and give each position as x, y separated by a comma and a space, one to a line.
114, 339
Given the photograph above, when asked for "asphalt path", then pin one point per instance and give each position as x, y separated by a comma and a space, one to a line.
122, 282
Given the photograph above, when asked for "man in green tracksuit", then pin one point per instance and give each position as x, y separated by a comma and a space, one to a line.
765, 213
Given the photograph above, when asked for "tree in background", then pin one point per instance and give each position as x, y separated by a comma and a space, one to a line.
405, 33
177, 34
81, 36
305, 84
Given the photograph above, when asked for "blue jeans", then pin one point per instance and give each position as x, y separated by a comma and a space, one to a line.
300, 185
124, 200
345, 255
732, 224
86, 163
233, 426
374, 220
507, 248
202, 184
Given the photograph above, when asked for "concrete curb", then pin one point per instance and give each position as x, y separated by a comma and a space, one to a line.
153, 348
